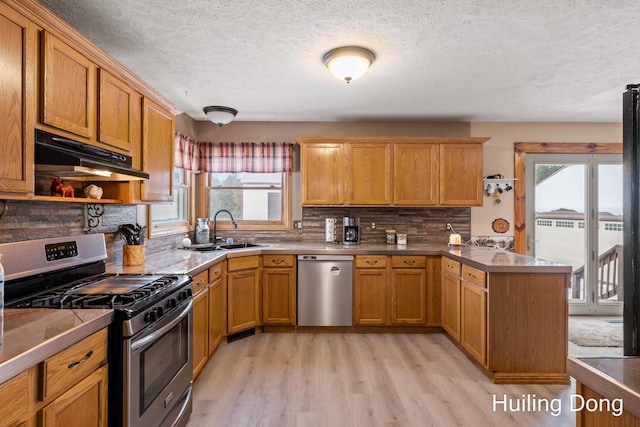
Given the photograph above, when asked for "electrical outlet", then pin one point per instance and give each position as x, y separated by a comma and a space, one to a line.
297, 225
373, 225
448, 226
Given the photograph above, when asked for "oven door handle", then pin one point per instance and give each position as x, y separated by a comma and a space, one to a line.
166, 328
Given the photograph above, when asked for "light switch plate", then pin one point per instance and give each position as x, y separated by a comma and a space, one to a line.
297, 225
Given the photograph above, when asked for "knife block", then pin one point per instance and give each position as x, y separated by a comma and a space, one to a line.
133, 255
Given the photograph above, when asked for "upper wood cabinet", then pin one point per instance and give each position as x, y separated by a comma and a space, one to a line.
461, 174
157, 152
391, 171
322, 173
415, 174
369, 174
119, 111
68, 88
17, 101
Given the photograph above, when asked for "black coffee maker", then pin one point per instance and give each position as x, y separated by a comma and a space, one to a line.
350, 230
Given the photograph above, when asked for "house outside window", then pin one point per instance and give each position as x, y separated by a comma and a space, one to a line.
175, 217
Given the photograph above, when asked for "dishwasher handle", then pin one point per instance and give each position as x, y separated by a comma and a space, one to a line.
323, 257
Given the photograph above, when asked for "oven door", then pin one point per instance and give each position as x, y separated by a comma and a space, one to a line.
159, 370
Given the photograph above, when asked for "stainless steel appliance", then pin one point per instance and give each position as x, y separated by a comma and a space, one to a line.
350, 230
150, 341
325, 290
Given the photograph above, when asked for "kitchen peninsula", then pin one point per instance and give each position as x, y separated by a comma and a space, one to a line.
507, 312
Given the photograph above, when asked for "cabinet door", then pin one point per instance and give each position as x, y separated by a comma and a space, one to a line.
415, 174
17, 96
279, 295
68, 88
434, 291
85, 404
15, 400
217, 306
118, 114
157, 152
473, 333
451, 305
243, 299
461, 174
370, 291
200, 331
322, 174
369, 174
409, 296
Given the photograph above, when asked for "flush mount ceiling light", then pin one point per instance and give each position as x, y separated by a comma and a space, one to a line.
220, 115
348, 62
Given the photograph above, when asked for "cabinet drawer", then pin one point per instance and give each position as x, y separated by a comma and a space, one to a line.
474, 275
216, 272
278, 260
200, 281
450, 266
373, 261
68, 367
15, 399
408, 261
244, 263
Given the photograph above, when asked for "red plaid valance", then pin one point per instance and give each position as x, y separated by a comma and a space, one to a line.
259, 157
186, 152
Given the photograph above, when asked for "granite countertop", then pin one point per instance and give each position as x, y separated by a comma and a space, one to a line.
181, 261
31, 335
612, 377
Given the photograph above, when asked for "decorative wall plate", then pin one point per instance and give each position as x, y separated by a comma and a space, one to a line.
500, 225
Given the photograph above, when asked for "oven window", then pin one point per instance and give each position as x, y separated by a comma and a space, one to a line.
161, 361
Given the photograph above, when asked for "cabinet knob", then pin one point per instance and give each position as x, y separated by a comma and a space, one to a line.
410, 261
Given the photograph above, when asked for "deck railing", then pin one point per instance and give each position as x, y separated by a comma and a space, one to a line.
609, 276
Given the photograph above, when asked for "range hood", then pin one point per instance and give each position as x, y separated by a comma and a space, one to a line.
66, 158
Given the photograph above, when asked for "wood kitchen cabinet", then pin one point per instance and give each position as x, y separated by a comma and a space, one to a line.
243, 294
369, 174
408, 293
119, 115
217, 305
200, 321
322, 173
473, 313
279, 290
15, 394
461, 174
17, 101
415, 175
68, 87
370, 290
157, 152
451, 297
391, 171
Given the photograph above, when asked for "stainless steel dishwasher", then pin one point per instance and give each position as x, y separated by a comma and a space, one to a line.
325, 290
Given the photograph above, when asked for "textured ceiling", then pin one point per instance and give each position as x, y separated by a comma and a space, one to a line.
467, 60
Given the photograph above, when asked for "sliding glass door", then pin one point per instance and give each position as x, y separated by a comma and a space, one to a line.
576, 213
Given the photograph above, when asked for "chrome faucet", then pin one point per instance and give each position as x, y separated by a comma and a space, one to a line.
215, 241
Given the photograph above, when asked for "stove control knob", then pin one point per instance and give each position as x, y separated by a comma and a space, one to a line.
159, 312
189, 292
172, 303
150, 316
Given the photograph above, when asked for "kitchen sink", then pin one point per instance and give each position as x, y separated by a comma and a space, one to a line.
210, 247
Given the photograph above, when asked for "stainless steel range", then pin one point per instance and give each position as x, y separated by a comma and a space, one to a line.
150, 341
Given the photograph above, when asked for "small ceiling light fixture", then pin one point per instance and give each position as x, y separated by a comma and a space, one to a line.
348, 62
220, 115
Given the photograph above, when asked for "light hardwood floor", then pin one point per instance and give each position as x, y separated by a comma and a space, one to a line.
324, 379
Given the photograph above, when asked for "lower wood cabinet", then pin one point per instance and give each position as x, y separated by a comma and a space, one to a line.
473, 312
69, 388
200, 321
451, 297
370, 290
390, 290
279, 290
243, 294
217, 305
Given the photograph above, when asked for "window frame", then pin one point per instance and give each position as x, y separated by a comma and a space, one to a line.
224, 223
169, 228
